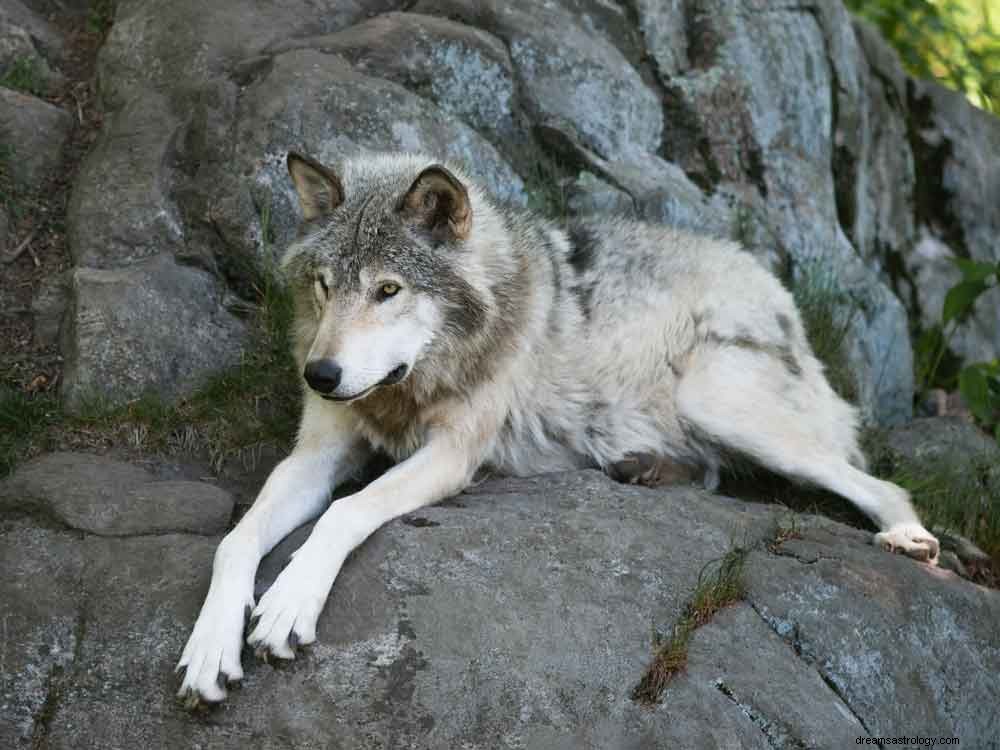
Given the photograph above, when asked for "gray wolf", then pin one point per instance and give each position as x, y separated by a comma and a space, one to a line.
455, 334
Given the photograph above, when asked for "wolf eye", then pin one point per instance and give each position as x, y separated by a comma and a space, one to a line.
388, 290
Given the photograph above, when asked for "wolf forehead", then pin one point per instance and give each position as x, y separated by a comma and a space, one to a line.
366, 231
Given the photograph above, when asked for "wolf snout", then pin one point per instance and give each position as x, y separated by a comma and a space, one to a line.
323, 375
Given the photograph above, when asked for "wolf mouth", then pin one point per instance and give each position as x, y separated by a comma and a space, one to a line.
395, 375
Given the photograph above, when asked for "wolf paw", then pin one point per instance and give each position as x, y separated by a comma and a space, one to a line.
286, 616
211, 658
910, 539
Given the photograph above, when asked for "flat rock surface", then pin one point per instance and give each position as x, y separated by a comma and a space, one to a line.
520, 613
99, 495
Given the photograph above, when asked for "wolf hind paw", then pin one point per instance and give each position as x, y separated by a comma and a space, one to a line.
910, 539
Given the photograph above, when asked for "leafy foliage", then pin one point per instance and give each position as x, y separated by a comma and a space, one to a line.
979, 382
25, 75
954, 42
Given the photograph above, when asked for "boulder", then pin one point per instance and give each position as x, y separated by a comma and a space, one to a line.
153, 326
465, 71
318, 104
99, 495
34, 132
31, 48
121, 210
41, 594
521, 612
575, 82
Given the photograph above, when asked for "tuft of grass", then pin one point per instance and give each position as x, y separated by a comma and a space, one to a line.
233, 415
783, 531
8, 182
545, 175
101, 16
827, 314
22, 420
25, 75
714, 592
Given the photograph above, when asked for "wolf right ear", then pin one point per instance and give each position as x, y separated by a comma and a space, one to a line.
438, 201
319, 189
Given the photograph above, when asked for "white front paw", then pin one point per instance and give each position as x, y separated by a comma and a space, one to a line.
286, 616
211, 657
910, 539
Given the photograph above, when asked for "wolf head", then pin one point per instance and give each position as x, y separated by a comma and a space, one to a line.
382, 271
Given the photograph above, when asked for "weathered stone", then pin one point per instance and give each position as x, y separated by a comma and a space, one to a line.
746, 110
929, 273
727, 656
175, 46
892, 640
588, 194
466, 72
317, 103
957, 150
120, 210
521, 612
35, 131
154, 325
873, 164
103, 496
40, 590
663, 29
28, 42
954, 438
48, 308
573, 82
140, 596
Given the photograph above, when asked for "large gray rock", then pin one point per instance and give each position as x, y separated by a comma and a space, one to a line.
120, 210
311, 101
36, 132
102, 496
172, 47
519, 613
789, 128
957, 149
891, 640
154, 325
466, 72
29, 44
745, 110
41, 594
572, 81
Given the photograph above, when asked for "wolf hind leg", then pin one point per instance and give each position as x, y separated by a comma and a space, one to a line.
794, 424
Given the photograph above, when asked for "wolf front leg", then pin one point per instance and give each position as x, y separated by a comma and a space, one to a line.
328, 451
287, 613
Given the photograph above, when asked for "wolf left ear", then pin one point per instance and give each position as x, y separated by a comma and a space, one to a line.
438, 202
319, 189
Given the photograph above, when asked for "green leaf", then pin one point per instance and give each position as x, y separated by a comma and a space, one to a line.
960, 299
975, 389
973, 270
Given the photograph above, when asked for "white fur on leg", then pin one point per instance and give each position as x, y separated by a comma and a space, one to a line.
297, 490
910, 539
761, 421
287, 612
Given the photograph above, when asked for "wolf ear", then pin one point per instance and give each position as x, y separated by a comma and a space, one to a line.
438, 202
319, 188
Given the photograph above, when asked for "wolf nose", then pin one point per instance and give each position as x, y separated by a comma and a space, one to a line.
323, 375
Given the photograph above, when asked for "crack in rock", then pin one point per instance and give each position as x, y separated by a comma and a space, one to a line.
789, 632
777, 734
